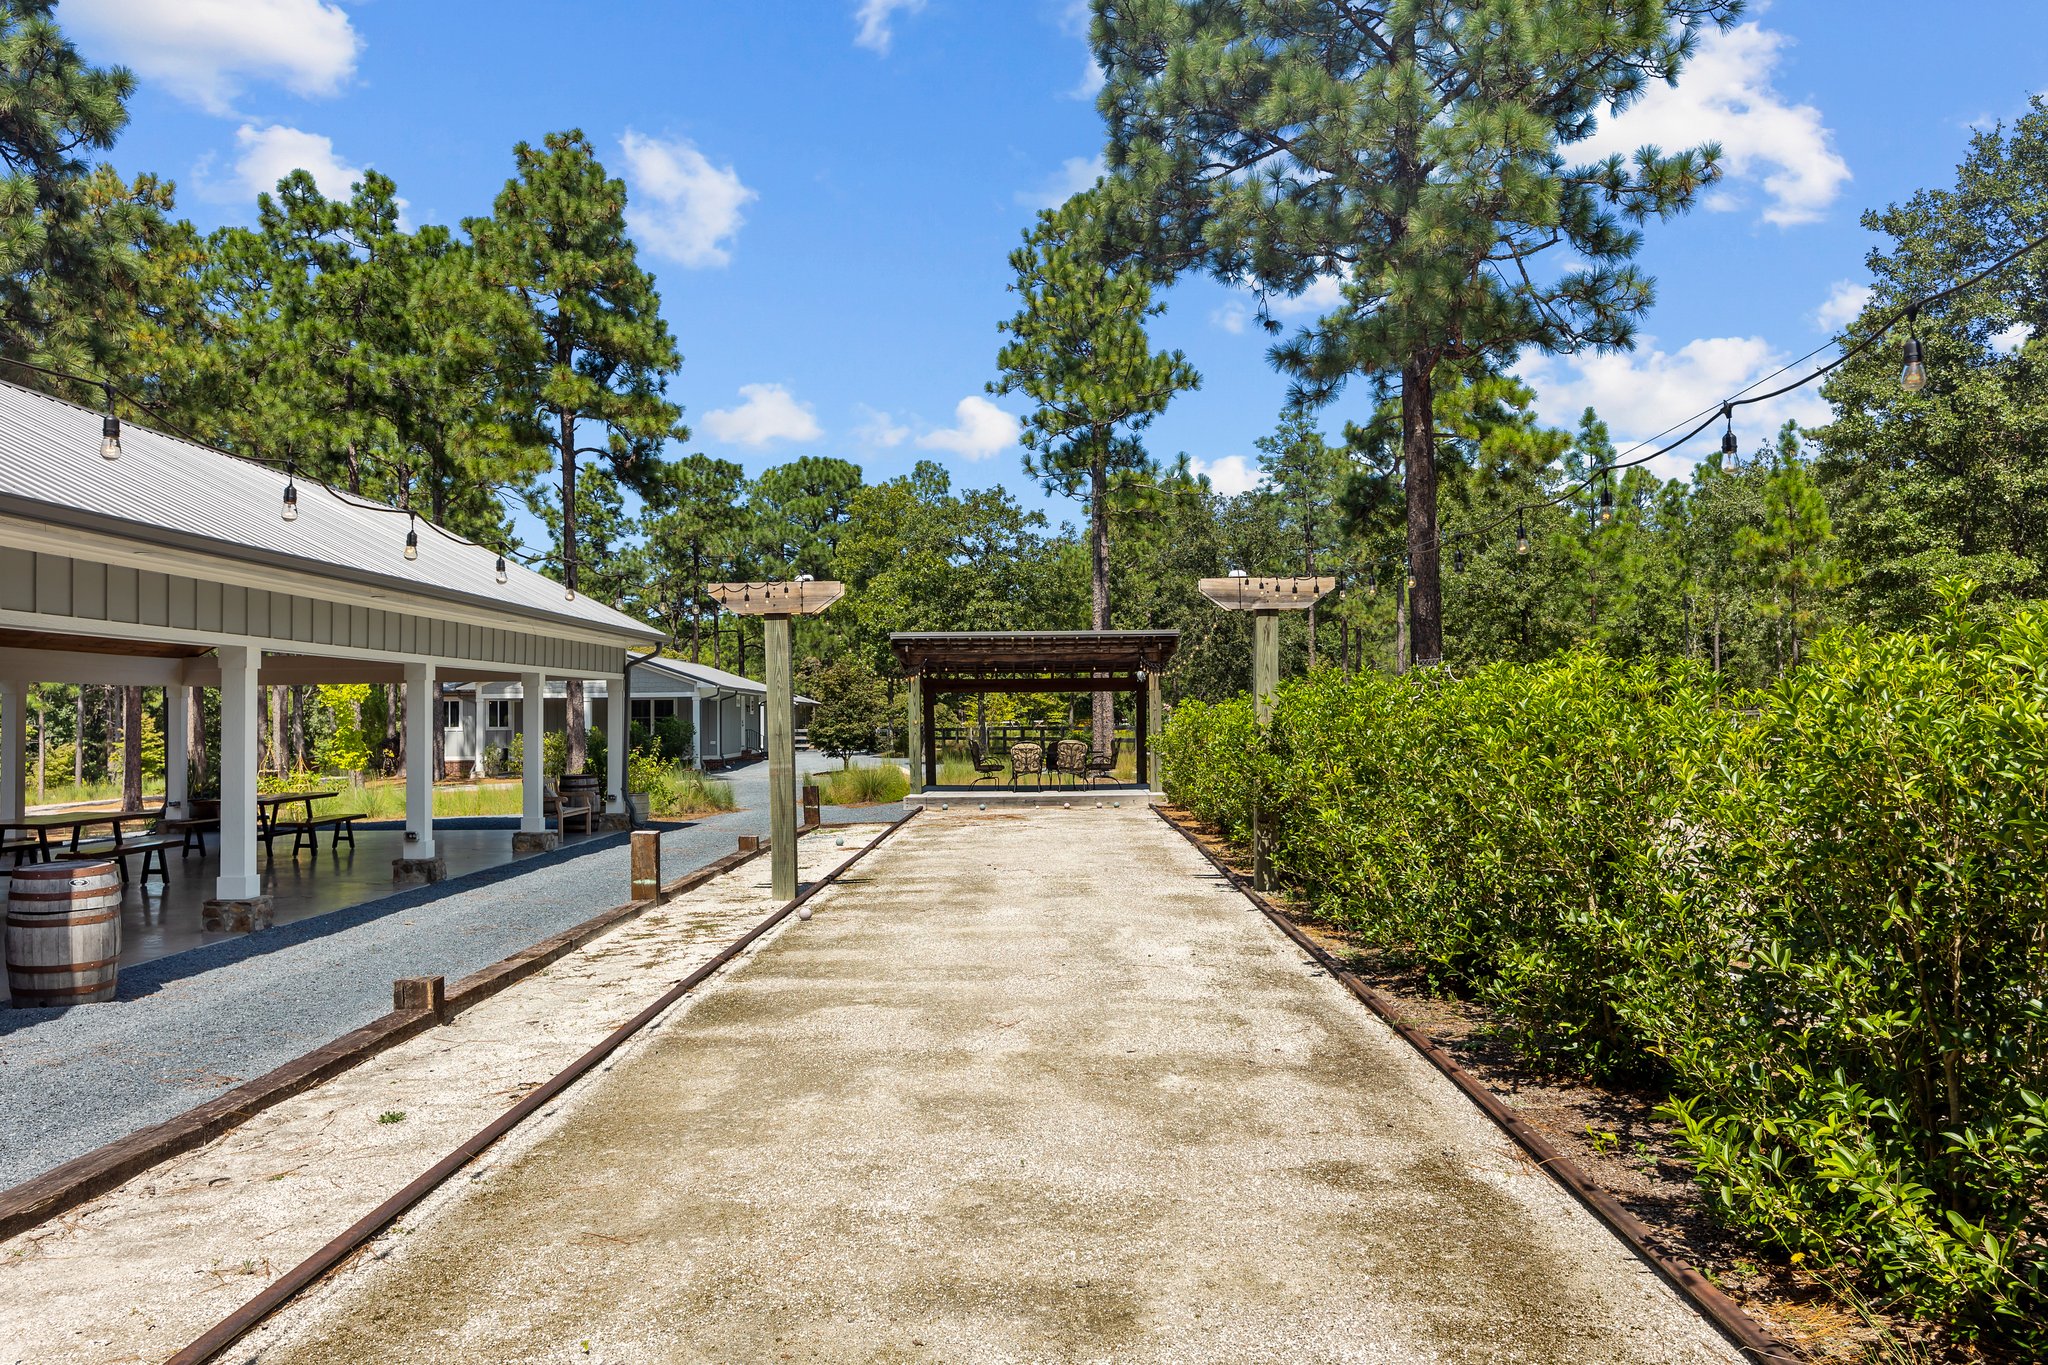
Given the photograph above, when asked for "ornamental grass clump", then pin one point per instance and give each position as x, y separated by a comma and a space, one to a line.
1817, 915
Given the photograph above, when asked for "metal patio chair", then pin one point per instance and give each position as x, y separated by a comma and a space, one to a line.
986, 765
1101, 766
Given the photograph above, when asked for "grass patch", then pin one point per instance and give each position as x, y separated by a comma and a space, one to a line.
864, 786
692, 793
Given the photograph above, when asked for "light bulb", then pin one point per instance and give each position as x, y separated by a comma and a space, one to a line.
110, 437
1912, 375
1458, 560
1521, 534
291, 500
569, 594
412, 543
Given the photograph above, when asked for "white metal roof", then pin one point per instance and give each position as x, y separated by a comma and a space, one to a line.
171, 492
713, 677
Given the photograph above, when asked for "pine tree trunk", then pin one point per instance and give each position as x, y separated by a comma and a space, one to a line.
1401, 629
578, 739
394, 733
1104, 729
78, 739
578, 752
131, 748
696, 602
42, 725
195, 728
1418, 457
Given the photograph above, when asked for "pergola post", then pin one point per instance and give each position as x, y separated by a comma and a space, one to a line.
533, 836
618, 741
913, 740
1265, 599
1155, 721
930, 730
420, 862
177, 748
239, 881
777, 603
13, 749
781, 738
1141, 732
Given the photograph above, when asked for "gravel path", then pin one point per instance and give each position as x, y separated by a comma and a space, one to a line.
190, 1026
1028, 1087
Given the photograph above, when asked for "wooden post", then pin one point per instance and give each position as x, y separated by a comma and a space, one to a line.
781, 755
1265, 681
1154, 709
1141, 731
931, 737
913, 744
813, 807
646, 865
776, 604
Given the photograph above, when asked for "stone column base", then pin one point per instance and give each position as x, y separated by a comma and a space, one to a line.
239, 917
536, 841
423, 870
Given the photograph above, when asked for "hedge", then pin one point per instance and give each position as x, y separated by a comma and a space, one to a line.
1817, 914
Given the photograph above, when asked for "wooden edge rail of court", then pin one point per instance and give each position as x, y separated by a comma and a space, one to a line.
289, 1285
107, 1167
1744, 1332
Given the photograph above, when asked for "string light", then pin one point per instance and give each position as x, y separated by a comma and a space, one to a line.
1458, 559
110, 430
1408, 571
412, 537
290, 510
502, 575
1913, 374
1606, 496
1729, 444
1521, 532
1372, 583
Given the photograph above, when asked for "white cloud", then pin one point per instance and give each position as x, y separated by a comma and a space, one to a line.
1093, 78
879, 429
1231, 475
1231, 316
874, 18
1075, 174
2011, 338
769, 413
1726, 95
1323, 295
682, 206
1640, 393
980, 429
1843, 305
269, 154
204, 50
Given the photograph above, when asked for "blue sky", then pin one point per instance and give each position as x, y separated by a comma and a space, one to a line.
827, 190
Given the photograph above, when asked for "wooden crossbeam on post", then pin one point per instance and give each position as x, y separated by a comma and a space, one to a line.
1265, 598
776, 604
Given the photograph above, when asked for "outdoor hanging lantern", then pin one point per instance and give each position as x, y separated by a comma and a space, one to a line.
412, 537
290, 510
1458, 559
1408, 568
1521, 532
1606, 499
502, 575
1913, 374
110, 430
1729, 445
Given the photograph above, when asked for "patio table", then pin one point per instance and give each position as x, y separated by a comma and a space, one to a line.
76, 822
270, 811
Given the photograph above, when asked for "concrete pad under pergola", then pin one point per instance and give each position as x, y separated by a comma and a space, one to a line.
174, 566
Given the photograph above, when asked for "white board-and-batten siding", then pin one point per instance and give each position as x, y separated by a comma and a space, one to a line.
55, 592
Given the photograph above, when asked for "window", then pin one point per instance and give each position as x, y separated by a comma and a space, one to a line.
499, 713
647, 710
451, 713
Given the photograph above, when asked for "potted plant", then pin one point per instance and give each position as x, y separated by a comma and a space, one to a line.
202, 792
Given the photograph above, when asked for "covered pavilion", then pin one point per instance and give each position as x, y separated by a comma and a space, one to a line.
974, 661
163, 563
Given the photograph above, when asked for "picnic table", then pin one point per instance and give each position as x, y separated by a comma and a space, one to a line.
272, 820
36, 845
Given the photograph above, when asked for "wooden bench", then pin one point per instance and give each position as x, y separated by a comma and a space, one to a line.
192, 830
150, 846
306, 833
579, 807
30, 849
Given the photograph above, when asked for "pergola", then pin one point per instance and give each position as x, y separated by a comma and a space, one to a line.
178, 566
939, 662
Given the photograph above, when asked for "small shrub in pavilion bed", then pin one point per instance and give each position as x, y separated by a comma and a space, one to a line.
1818, 913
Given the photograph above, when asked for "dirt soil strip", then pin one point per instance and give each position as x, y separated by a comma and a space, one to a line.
1028, 1087
1756, 1343
146, 1266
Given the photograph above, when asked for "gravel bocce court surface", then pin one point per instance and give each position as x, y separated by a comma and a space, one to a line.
194, 1025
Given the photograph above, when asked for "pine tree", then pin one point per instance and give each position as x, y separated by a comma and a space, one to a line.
556, 240
1079, 350
691, 519
1790, 555
1416, 153
1305, 477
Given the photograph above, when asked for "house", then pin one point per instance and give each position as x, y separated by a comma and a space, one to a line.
724, 711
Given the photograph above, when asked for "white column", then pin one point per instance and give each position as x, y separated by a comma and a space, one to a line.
239, 695
420, 719
533, 712
177, 747
13, 749
697, 728
618, 741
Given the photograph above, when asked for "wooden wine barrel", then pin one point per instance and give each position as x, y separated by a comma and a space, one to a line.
582, 782
63, 940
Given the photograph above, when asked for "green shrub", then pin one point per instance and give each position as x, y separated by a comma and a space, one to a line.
1817, 914
868, 785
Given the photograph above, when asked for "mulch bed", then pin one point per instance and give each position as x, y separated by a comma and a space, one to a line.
1615, 1136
